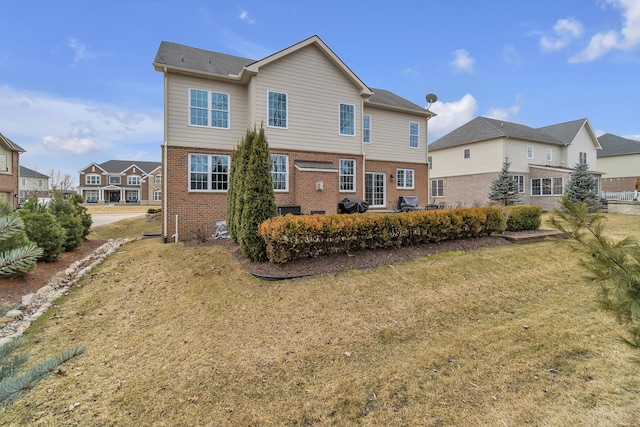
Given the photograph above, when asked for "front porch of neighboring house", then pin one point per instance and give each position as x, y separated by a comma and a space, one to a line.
111, 194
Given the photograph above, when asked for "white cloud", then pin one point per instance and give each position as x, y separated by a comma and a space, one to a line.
80, 49
451, 115
502, 113
565, 31
71, 145
462, 61
244, 16
627, 38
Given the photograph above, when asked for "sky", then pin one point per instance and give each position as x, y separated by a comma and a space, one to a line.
77, 84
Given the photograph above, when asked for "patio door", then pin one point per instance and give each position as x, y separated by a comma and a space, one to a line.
375, 189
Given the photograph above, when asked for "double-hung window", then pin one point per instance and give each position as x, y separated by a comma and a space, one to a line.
519, 181
549, 154
158, 179
208, 172
467, 153
157, 195
529, 152
347, 175
277, 109
92, 179
208, 109
366, 129
414, 135
4, 166
404, 178
280, 172
133, 180
347, 119
437, 188
583, 158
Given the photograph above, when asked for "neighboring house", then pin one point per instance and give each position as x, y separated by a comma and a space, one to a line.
33, 182
330, 136
121, 181
619, 161
9, 170
465, 162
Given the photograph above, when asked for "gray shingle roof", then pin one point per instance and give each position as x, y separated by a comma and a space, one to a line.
566, 131
384, 97
119, 166
10, 144
30, 173
483, 128
613, 145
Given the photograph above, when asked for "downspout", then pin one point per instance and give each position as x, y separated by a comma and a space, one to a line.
164, 160
364, 155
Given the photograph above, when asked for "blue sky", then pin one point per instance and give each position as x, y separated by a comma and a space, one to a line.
77, 83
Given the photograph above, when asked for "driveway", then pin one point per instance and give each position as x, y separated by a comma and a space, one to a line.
102, 219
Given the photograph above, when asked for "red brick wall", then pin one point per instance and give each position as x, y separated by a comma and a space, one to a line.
9, 181
421, 180
620, 184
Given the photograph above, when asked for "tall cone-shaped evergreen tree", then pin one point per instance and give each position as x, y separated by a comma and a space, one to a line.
259, 199
504, 189
582, 187
235, 199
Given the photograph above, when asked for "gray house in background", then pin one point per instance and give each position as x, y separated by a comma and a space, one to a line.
465, 162
619, 160
33, 182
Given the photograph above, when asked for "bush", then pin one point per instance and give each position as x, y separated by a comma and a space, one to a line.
154, 210
81, 212
66, 213
18, 237
45, 231
521, 218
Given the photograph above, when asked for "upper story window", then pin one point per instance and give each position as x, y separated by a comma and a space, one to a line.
404, 178
277, 109
133, 180
366, 129
280, 172
23, 182
414, 135
467, 153
347, 119
347, 175
40, 183
158, 179
115, 180
583, 158
92, 179
208, 108
549, 154
430, 161
529, 152
4, 166
208, 172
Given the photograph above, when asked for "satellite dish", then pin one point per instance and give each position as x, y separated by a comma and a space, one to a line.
431, 98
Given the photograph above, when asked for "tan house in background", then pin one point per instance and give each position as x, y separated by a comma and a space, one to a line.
465, 162
121, 181
33, 182
330, 135
619, 160
9, 170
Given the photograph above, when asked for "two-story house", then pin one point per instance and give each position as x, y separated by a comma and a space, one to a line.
465, 162
121, 181
9, 170
619, 161
33, 182
330, 136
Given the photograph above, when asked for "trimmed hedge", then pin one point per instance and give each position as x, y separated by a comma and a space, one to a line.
292, 237
525, 217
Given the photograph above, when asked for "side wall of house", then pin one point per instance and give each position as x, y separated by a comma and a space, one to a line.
392, 192
582, 143
9, 181
619, 166
484, 157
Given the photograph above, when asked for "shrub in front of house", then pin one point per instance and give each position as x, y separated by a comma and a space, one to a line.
67, 216
522, 218
292, 237
44, 230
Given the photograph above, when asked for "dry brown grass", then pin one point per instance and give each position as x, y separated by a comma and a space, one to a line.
175, 336
103, 208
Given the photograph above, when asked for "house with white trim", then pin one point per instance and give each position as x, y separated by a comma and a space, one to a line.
619, 160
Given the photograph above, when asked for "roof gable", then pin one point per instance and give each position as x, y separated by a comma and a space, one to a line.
121, 166
30, 173
10, 145
567, 131
613, 145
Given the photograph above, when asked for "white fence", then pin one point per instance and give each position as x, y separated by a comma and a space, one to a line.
623, 196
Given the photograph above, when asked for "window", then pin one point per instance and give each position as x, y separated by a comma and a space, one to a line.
280, 172
133, 180
115, 180
519, 181
547, 186
157, 195
414, 135
530, 152
91, 195
347, 175
374, 188
92, 179
597, 187
208, 172
583, 158
366, 129
158, 179
347, 119
200, 109
430, 161
4, 167
131, 196
23, 182
467, 153
404, 178
437, 188
40, 183
277, 109
549, 154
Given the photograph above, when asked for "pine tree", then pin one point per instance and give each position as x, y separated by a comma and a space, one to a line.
582, 187
239, 168
612, 265
504, 189
258, 199
19, 259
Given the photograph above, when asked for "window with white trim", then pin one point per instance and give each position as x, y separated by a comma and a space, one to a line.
23, 182
91, 195
404, 178
530, 152
209, 109
549, 154
547, 186
437, 188
347, 175
133, 180
280, 172
277, 109
414, 135
366, 129
131, 196
467, 153
157, 196
114, 180
208, 172
92, 179
519, 181
583, 158
158, 179
347, 119
4, 166
430, 161
40, 183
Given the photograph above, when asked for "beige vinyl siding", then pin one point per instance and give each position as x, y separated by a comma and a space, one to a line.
517, 152
619, 166
390, 137
180, 133
582, 143
314, 88
486, 157
7, 156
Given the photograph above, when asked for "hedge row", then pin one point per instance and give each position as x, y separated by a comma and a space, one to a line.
524, 217
292, 237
